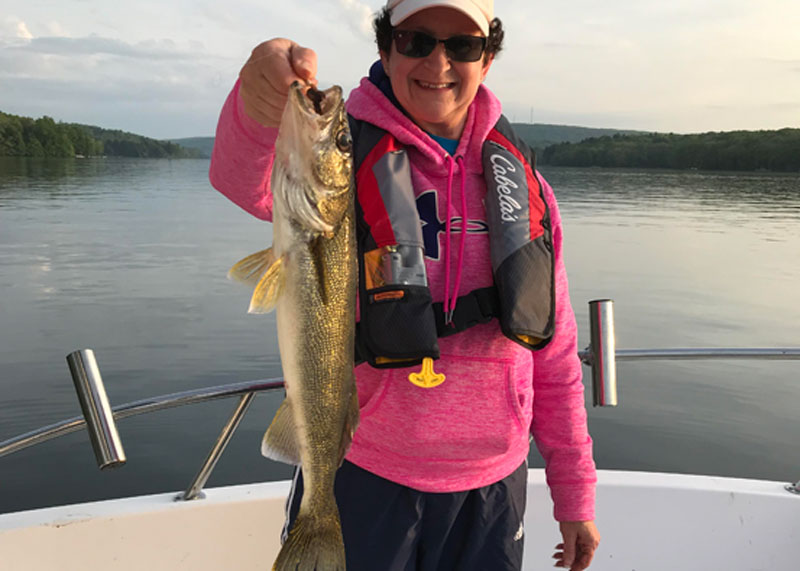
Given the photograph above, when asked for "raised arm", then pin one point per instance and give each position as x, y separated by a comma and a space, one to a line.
241, 163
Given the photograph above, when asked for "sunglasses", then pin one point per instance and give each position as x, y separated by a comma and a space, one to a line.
420, 44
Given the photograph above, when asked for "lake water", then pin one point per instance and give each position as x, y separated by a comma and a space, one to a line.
128, 257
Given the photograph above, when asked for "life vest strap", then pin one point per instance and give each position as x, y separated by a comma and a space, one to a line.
478, 306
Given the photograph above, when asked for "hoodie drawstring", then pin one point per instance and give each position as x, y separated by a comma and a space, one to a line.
464, 219
448, 309
450, 164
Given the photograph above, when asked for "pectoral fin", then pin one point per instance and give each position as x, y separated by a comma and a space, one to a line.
249, 270
269, 289
280, 441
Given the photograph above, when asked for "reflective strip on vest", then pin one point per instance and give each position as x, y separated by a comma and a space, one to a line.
391, 212
390, 209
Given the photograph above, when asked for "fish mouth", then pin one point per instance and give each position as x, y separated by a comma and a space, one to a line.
314, 101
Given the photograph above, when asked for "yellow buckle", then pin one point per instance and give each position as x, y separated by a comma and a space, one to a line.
427, 378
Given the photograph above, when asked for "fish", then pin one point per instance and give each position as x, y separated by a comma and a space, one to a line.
309, 276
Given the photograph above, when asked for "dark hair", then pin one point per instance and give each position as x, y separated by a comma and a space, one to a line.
383, 34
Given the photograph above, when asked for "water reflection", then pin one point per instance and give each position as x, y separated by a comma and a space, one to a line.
26, 181
677, 194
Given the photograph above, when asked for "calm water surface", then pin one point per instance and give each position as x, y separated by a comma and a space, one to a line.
129, 257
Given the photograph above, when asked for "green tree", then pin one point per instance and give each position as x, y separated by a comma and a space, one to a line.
737, 150
12, 139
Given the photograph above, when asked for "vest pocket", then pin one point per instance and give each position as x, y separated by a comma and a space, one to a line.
397, 326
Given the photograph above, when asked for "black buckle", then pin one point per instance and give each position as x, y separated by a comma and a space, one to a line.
479, 306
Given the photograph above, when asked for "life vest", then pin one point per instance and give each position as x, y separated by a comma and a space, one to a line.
399, 324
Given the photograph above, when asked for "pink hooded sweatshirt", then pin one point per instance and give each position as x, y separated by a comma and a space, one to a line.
474, 429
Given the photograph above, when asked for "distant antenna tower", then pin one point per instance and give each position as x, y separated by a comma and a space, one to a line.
531, 114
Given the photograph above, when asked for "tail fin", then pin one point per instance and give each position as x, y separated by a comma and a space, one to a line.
314, 544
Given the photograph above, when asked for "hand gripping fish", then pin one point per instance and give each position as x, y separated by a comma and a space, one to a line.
310, 276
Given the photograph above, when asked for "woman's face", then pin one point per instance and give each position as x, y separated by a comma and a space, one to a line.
435, 91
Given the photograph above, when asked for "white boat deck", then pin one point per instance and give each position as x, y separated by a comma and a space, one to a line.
649, 522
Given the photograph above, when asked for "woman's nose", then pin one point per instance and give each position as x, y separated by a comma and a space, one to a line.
438, 57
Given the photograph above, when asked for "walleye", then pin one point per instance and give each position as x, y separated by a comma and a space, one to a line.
310, 276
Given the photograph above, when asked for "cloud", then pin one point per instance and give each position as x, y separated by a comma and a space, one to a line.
362, 14
75, 79
785, 64
146, 106
784, 106
13, 27
96, 46
93, 57
23, 32
55, 29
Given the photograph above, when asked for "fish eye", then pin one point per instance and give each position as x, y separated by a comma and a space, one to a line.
343, 141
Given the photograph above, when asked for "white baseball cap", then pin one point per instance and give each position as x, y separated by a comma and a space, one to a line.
480, 11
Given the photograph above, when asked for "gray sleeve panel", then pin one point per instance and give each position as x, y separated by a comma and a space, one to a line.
393, 174
507, 207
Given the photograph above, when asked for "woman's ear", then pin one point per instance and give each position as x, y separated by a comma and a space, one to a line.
486, 65
385, 61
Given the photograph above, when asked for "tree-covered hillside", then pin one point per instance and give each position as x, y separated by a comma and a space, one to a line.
203, 144
539, 136
734, 150
43, 137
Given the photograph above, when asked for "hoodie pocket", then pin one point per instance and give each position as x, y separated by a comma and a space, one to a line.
474, 415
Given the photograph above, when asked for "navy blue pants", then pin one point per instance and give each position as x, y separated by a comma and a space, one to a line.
389, 527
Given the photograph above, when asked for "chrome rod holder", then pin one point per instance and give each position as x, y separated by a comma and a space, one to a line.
602, 352
793, 488
696, 353
96, 410
194, 491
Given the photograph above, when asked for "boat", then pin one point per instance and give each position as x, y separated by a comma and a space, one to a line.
649, 521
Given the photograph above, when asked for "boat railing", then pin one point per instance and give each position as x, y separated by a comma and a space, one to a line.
100, 418
103, 433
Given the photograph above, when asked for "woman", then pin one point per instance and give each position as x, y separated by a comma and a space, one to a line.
435, 478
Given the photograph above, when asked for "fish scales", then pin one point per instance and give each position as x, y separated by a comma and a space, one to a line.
319, 347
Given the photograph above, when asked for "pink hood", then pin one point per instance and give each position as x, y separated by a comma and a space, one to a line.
368, 103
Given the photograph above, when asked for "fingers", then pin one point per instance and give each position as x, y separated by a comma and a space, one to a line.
304, 63
583, 559
266, 76
570, 538
261, 101
581, 539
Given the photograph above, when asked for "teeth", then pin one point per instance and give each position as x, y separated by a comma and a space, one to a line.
433, 85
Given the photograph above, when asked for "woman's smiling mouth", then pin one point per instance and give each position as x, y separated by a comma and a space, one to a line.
427, 85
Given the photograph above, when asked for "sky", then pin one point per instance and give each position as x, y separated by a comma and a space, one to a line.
163, 68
